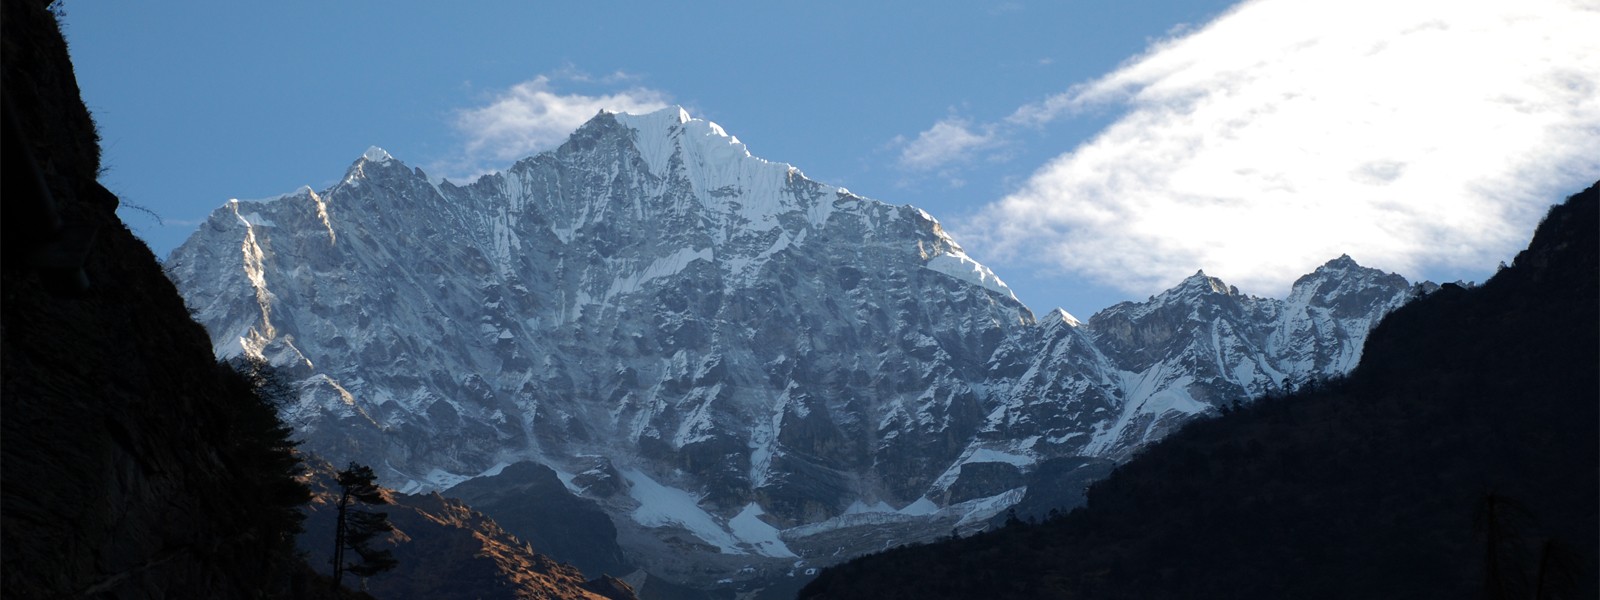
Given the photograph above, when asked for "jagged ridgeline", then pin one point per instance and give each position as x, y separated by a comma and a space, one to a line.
733, 361
1457, 461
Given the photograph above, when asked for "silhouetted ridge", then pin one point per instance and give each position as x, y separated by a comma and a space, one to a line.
135, 465
1457, 461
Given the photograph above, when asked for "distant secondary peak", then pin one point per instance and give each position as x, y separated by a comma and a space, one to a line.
376, 154
1199, 281
1060, 314
1343, 262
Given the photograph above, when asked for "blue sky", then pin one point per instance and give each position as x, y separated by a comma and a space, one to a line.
1089, 152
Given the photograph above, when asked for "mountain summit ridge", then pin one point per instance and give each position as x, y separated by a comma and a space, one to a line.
650, 304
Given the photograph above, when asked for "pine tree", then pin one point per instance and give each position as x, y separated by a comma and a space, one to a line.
356, 528
257, 447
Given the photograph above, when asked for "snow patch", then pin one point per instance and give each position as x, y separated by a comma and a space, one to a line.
869, 517
923, 510
986, 455
974, 511
255, 219
1154, 392
664, 506
983, 455
762, 439
441, 479
750, 529
666, 266
700, 423
922, 507
958, 265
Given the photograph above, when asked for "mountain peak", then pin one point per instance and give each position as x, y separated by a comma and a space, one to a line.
660, 134
720, 170
1061, 315
376, 154
1343, 263
1202, 282
1339, 268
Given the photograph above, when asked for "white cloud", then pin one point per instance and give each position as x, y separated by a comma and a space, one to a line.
951, 140
1421, 136
531, 117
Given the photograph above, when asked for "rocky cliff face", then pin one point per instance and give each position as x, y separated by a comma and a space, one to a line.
733, 360
669, 296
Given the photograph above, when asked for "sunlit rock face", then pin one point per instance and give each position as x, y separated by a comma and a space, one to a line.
651, 311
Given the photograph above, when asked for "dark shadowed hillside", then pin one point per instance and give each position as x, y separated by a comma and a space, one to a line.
531, 502
447, 550
134, 465
1459, 460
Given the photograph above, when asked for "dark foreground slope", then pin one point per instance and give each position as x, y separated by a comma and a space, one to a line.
1459, 460
132, 464
529, 500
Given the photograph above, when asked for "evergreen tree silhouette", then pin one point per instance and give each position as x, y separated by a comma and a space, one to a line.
356, 528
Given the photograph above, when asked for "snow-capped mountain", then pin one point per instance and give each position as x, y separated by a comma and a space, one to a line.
1137, 369
709, 343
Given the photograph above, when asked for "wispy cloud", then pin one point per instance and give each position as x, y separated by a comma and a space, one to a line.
532, 116
1415, 136
952, 139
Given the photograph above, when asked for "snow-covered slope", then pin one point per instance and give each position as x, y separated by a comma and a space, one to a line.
725, 354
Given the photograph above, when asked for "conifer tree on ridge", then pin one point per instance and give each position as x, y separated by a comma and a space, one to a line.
356, 528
